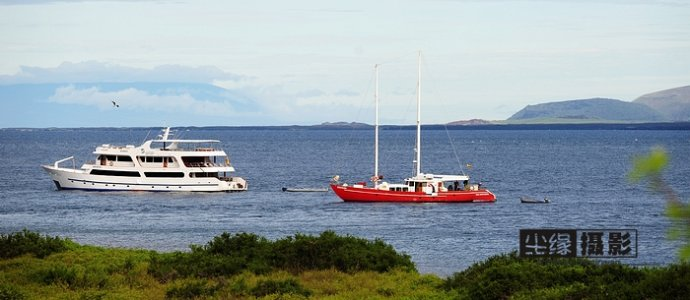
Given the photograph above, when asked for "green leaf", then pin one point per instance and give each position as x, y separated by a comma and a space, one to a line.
685, 253
675, 210
649, 165
674, 233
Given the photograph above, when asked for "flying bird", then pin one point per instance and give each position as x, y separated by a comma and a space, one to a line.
115, 103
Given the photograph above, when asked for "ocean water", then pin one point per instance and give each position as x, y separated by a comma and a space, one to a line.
583, 172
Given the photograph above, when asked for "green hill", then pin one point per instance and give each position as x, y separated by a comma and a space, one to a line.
593, 110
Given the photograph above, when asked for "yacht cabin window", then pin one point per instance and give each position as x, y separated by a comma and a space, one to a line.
114, 158
164, 174
115, 173
155, 159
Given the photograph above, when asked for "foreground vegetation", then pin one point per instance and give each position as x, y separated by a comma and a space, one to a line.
246, 266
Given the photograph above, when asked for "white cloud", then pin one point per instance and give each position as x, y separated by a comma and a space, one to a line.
347, 93
93, 71
312, 93
133, 99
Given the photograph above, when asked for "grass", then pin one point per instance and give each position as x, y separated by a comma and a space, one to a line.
257, 272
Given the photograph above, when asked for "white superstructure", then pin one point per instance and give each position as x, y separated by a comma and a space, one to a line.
162, 165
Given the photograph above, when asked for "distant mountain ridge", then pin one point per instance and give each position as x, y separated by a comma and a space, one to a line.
595, 109
673, 104
471, 122
342, 125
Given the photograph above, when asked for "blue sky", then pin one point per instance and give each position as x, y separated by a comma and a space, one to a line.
305, 62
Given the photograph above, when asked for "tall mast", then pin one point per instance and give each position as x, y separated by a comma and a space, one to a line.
376, 126
418, 148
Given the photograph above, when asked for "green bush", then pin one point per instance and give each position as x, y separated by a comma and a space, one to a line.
228, 255
10, 292
59, 274
509, 276
346, 254
244, 251
191, 290
27, 242
170, 266
670, 282
279, 287
238, 286
74, 276
576, 290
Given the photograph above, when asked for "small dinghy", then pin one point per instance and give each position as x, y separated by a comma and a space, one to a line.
305, 190
532, 200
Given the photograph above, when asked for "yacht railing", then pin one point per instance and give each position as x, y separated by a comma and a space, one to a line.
57, 163
203, 165
111, 163
188, 149
186, 146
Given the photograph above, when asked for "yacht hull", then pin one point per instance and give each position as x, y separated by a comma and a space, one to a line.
77, 179
368, 194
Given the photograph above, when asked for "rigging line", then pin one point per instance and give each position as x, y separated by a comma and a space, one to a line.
405, 117
401, 116
351, 133
455, 152
147, 135
410, 105
445, 125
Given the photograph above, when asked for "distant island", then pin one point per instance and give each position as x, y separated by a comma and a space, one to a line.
587, 111
672, 105
470, 122
343, 125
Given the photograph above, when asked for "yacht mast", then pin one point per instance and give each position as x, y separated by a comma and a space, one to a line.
418, 148
376, 127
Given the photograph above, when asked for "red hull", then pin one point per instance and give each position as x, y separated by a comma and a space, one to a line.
368, 194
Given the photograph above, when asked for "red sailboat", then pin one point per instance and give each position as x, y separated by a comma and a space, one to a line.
422, 187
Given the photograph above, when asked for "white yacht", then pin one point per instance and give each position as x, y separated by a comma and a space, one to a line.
161, 165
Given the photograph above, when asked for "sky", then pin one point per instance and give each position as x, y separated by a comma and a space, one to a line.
245, 63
